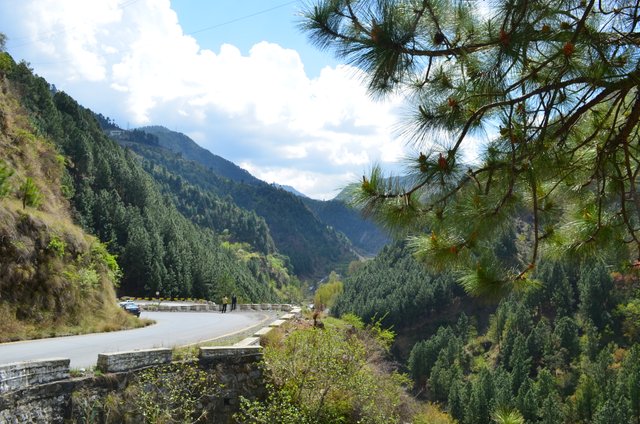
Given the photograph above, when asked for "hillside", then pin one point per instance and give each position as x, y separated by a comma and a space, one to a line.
54, 277
363, 234
565, 351
180, 143
114, 198
312, 248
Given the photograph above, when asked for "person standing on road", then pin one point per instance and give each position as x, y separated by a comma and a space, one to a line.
225, 300
234, 302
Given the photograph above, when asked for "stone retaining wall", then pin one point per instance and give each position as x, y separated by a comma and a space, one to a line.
133, 360
21, 375
43, 392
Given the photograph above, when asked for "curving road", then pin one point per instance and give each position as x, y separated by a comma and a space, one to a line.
171, 329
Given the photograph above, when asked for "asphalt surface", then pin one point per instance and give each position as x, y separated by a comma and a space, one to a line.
171, 329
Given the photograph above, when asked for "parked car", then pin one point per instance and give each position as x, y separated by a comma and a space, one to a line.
131, 307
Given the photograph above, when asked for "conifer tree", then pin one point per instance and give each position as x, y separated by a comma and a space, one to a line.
545, 92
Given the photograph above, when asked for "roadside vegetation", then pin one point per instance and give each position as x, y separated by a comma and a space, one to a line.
339, 373
55, 279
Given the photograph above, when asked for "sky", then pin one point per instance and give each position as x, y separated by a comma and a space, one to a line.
237, 76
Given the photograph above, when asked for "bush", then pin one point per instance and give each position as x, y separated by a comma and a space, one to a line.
165, 394
56, 246
5, 174
6, 63
29, 194
324, 375
327, 294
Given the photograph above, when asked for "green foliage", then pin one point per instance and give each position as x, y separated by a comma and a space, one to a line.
29, 193
5, 175
559, 172
326, 294
425, 354
277, 408
630, 313
322, 375
102, 255
57, 246
506, 416
6, 63
399, 287
165, 394
594, 288
172, 393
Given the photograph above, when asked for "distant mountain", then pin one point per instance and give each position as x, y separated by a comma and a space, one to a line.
289, 189
180, 143
363, 234
344, 195
313, 248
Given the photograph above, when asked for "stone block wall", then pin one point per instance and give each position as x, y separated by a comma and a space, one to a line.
133, 360
43, 392
24, 374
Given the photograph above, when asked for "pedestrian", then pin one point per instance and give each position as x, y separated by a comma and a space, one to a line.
225, 300
234, 302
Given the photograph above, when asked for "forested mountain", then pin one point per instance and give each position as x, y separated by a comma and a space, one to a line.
113, 197
180, 143
290, 190
312, 248
363, 234
54, 277
566, 351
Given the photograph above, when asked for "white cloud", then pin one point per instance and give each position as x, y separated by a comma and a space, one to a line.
260, 109
324, 186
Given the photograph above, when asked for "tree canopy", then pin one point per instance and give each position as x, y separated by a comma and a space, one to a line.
545, 92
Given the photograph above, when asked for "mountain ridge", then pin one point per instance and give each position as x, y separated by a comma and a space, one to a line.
363, 234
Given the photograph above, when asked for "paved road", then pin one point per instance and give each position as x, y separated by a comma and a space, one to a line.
171, 329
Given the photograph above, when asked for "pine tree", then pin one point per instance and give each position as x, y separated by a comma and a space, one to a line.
566, 333
629, 380
478, 409
551, 410
457, 399
519, 363
594, 287
560, 81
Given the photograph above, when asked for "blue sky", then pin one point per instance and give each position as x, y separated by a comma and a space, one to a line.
245, 23
237, 76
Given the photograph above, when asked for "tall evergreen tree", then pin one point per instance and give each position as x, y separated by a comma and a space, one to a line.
559, 78
594, 287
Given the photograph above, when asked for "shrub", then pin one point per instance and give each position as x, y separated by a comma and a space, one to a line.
171, 393
6, 63
5, 174
327, 294
278, 408
323, 375
57, 246
29, 194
